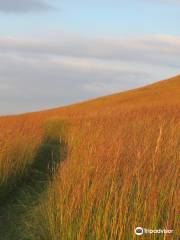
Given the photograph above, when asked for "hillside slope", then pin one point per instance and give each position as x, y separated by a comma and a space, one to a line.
165, 92
93, 170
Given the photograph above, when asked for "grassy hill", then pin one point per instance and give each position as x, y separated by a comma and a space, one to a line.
93, 170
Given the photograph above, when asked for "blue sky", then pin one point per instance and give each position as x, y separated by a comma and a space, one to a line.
109, 17
80, 49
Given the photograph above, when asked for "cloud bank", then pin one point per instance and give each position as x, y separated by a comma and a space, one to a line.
24, 6
54, 71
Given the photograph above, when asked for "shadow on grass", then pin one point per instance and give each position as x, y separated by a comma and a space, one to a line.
45, 163
30, 188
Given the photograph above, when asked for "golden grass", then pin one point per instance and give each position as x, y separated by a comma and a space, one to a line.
122, 168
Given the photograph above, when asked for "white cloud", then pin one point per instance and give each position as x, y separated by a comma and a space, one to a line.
159, 49
42, 73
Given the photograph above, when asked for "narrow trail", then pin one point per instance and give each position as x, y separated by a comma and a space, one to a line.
30, 190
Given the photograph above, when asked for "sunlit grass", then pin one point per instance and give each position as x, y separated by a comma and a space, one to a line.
120, 168
113, 181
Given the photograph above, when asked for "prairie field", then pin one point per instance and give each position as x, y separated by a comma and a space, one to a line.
94, 170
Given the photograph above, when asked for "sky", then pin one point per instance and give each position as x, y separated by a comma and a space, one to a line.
58, 52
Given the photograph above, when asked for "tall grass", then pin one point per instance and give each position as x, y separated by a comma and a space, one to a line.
120, 168
16, 153
121, 172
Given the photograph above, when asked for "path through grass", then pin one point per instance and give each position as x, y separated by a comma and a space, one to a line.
30, 190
